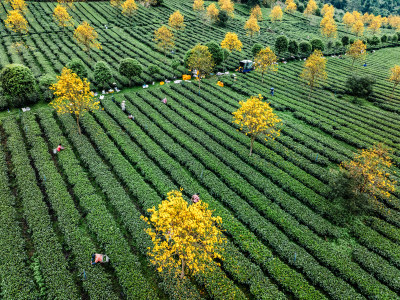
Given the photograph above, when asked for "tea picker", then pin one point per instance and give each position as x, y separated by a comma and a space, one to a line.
99, 259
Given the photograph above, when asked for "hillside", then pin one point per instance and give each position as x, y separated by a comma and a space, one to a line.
287, 237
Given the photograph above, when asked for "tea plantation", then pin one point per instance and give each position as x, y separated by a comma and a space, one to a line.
287, 236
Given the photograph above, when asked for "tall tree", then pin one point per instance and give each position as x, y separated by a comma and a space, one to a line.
257, 119
328, 27
358, 28
73, 95
212, 13
314, 70
370, 173
186, 238
348, 20
175, 21
276, 14
164, 39
200, 59
19, 5
129, 7
86, 36
256, 12
62, 17
228, 6
290, 6
198, 5
328, 10
231, 43
395, 78
357, 51
375, 24
251, 26
311, 8
265, 62
16, 22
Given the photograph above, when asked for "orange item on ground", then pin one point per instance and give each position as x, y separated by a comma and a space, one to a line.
220, 83
186, 77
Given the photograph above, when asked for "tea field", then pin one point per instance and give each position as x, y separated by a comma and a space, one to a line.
286, 238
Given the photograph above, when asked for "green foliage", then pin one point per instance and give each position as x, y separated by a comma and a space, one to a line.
360, 86
102, 74
317, 44
223, 18
293, 47
305, 47
130, 68
394, 38
338, 44
45, 82
345, 40
374, 41
153, 69
384, 38
281, 44
78, 67
18, 84
216, 52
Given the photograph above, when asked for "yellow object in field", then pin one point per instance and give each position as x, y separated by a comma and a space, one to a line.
220, 83
162, 83
186, 77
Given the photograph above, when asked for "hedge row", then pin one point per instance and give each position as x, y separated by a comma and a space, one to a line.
234, 262
16, 279
115, 193
59, 282
98, 284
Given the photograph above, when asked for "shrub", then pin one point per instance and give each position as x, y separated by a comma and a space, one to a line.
317, 44
329, 45
102, 74
384, 38
44, 85
281, 44
130, 68
375, 40
360, 86
256, 48
300, 7
293, 47
222, 18
394, 38
216, 52
18, 85
78, 67
305, 47
345, 40
154, 70
338, 44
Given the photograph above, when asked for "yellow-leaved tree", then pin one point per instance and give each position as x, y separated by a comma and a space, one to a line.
200, 59
265, 62
129, 7
16, 22
116, 4
257, 119
19, 5
212, 13
251, 26
276, 14
62, 17
70, 3
85, 35
328, 27
311, 8
358, 28
228, 6
231, 42
186, 238
72, 95
369, 172
394, 22
328, 10
175, 21
164, 39
256, 12
314, 70
348, 20
357, 51
290, 6
198, 5
375, 24
395, 78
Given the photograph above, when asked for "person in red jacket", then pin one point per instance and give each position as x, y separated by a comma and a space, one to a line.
59, 148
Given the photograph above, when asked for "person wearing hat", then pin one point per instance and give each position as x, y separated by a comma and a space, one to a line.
195, 198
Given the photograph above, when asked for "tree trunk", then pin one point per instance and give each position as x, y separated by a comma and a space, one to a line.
251, 144
77, 123
391, 96
183, 268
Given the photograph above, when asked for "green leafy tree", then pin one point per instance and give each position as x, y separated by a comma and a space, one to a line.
256, 48
293, 47
130, 68
305, 47
216, 52
102, 74
18, 84
77, 66
317, 44
345, 40
201, 60
281, 44
45, 82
